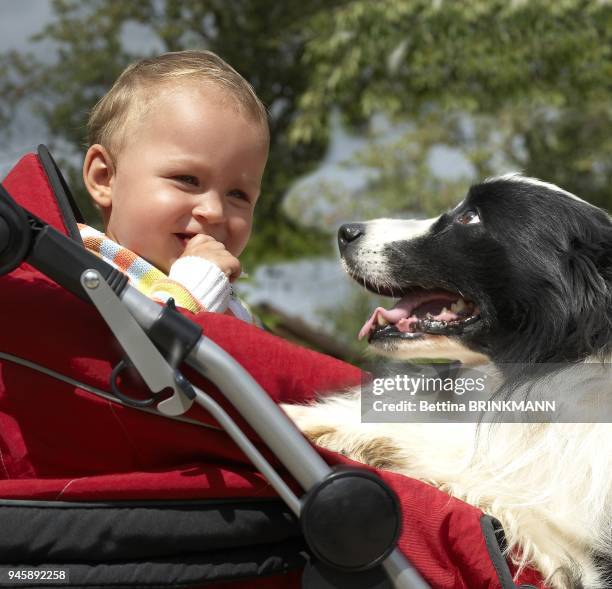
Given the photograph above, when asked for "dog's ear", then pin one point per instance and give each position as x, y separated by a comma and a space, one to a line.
606, 259
589, 293
603, 257
590, 267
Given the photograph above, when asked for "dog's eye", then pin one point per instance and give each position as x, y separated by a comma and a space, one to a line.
468, 218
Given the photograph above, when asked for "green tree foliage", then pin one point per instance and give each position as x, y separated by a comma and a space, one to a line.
531, 79
475, 55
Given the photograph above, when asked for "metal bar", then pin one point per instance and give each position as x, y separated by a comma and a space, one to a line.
402, 573
254, 455
261, 412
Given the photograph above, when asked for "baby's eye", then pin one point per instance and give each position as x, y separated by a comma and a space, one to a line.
240, 194
186, 179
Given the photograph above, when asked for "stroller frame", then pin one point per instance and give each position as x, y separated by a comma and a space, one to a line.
25, 237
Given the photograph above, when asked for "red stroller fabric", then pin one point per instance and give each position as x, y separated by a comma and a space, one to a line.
60, 442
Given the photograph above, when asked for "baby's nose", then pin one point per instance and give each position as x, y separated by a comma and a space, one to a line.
209, 207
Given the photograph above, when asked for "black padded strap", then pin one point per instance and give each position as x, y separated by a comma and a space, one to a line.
35, 531
495, 540
70, 210
152, 544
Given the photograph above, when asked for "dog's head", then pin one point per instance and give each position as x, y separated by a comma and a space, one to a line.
520, 270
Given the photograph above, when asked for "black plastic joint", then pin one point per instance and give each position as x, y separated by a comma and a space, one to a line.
174, 334
64, 260
351, 520
15, 235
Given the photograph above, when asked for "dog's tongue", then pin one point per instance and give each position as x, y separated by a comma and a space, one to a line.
401, 314
400, 311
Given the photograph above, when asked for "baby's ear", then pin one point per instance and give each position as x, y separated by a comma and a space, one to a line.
98, 172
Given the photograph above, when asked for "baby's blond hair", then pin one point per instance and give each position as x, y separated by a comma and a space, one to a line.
134, 91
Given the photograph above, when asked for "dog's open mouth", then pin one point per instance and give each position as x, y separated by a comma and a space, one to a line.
421, 311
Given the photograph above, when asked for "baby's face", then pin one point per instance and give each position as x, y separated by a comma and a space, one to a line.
193, 164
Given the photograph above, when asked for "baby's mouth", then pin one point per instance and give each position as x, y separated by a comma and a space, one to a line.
184, 238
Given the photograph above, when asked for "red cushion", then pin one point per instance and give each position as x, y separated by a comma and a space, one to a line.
51, 327
27, 183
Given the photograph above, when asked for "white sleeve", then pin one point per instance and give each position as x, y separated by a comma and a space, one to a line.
204, 280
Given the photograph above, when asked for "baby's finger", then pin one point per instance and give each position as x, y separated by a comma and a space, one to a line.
232, 267
201, 245
201, 238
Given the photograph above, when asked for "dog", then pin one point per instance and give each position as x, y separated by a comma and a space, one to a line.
519, 272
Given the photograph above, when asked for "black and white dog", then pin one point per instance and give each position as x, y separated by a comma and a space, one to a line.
520, 271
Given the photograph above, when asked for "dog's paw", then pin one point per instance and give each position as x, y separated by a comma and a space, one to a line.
306, 418
379, 452
299, 414
354, 443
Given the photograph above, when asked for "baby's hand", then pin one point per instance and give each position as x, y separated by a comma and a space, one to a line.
205, 246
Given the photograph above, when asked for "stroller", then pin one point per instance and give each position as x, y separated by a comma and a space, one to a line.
195, 478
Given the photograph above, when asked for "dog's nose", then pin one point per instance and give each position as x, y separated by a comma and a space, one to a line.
349, 233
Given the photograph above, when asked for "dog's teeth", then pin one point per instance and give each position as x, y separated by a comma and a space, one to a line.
382, 321
458, 306
429, 316
444, 310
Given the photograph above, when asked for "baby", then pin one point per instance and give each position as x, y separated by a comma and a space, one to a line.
178, 147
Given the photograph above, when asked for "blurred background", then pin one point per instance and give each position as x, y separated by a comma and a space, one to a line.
386, 108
